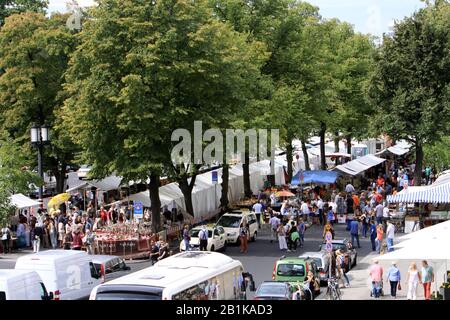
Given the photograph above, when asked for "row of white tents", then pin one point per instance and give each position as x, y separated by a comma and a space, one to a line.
206, 192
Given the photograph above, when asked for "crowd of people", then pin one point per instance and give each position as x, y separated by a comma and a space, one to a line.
414, 278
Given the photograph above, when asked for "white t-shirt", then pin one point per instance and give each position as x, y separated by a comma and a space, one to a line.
386, 212
320, 204
333, 206
274, 222
257, 208
390, 231
305, 208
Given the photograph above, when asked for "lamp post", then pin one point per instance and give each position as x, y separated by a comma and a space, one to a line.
39, 138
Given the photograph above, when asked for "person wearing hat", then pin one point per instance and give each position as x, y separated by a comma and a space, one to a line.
394, 278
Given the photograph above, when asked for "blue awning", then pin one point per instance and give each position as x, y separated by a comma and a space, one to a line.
315, 176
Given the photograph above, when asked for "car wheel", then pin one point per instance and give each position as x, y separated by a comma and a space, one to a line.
212, 248
224, 248
254, 236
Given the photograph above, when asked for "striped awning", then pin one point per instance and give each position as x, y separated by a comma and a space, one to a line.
438, 192
359, 165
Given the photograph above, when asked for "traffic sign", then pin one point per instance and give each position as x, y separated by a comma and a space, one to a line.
329, 247
138, 209
329, 236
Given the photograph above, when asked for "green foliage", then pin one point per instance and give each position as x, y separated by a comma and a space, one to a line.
10, 7
437, 154
34, 54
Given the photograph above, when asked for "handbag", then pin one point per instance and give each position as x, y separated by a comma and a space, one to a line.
399, 287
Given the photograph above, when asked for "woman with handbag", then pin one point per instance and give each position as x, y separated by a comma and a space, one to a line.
394, 278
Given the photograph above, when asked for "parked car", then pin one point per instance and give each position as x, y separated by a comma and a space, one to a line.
293, 270
323, 264
106, 264
22, 285
216, 239
273, 290
231, 222
346, 247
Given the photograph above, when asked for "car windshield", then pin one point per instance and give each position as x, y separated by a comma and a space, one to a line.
229, 222
271, 289
291, 269
195, 232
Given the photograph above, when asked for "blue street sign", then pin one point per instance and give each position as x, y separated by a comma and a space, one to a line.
138, 208
215, 177
329, 236
329, 246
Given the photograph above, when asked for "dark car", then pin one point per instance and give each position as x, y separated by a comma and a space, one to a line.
273, 290
106, 264
346, 247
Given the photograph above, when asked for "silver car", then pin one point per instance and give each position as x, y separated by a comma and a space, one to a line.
273, 290
322, 261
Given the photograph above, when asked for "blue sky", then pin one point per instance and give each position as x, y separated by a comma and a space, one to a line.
368, 16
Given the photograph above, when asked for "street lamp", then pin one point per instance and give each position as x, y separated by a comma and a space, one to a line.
39, 138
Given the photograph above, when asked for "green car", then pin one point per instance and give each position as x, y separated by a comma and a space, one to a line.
293, 269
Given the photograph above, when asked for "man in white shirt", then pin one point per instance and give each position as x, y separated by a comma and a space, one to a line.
379, 210
349, 188
284, 208
257, 208
274, 223
390, 231
320, 210
305, 209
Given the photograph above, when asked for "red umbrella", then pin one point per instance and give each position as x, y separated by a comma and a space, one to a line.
284, 193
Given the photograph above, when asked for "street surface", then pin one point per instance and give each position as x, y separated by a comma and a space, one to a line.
262, 255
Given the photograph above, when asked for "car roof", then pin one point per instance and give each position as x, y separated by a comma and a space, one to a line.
238, 214
277, 283
313, 254
100, 258
291, 260
208, 227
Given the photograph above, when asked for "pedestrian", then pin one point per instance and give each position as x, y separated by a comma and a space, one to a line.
163, 250
328, 227
186, 238
349, 188
305, 209
243, 237
365, 225
390, 231
274, 224
20, 234
77, 238
258, 209
379, 212
52, 233
376, 277
413, 279
301, 231
154, 252
354, 232
394, 277
282, 237
203, 236
373, 234
6, 238
320, 205
61, 233
427, 279
350, 211
330, 216
88, 240
341, 205
293, 237
341, 268
379, 239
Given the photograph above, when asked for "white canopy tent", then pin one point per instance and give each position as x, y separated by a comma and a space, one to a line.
399, 149
359, 165
21, 201
438, 192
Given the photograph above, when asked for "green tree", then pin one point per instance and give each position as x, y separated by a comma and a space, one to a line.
437, 155
10, 7
34, 54
14, 176
144, 69
411, 83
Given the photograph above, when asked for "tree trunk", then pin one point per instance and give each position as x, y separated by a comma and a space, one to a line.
187, 193
289, 159
305, 156
349, 143
155, 202
323, 162
419, 164
336, 147
224, 196
245, 167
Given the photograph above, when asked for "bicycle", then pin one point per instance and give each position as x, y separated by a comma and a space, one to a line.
333, 291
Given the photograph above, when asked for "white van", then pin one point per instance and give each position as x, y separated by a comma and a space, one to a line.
22, 285
231, 222
68, 274
191, 275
